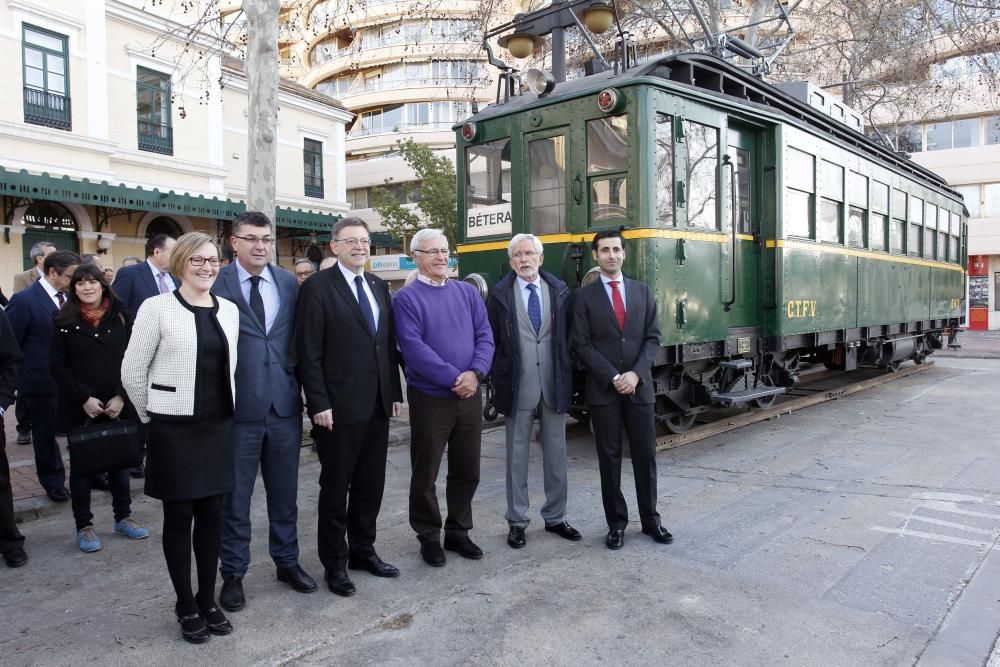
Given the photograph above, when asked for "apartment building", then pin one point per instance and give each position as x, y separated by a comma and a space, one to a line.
112, 137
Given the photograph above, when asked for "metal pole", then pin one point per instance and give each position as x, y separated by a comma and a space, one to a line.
558, 55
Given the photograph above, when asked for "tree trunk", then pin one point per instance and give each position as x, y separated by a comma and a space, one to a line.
262, 84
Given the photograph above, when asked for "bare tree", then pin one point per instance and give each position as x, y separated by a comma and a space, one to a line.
262, 82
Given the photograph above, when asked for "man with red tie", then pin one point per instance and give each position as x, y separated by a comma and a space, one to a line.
615, 336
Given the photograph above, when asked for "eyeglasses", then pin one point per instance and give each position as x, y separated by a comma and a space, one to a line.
200, 261
354, 243
254, 240
304, 274
435, 252
525, 254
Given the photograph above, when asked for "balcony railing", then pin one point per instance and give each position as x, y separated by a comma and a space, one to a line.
314, 187
42, 107
156, 138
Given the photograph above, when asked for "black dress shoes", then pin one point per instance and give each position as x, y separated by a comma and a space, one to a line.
615, 538
193, 628
565, 531
515, 538
432, 553
231, 597
216, 621
59, 495
464, 547
659, 534
16, 557
23, 437
372, 563
338, 582
297, 578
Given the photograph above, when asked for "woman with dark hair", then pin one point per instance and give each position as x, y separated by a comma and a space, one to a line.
91, 334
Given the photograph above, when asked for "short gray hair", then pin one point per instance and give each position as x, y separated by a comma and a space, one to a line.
347, 222
535, 242
38, 249
425, 235
304, 260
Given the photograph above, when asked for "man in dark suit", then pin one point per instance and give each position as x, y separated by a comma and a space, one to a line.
30, 313
11, 540
347, 361
532, 374
22, 281
267, 421
136, 283
615, 336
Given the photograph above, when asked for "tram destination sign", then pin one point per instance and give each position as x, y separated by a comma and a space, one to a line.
488, 221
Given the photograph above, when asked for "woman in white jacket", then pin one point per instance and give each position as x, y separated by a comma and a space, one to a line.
178, 372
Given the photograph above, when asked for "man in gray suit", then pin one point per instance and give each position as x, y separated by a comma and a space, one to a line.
532, 374
267, 422
38, 253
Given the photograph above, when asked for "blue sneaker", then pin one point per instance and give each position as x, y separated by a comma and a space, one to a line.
88, 539
129, 528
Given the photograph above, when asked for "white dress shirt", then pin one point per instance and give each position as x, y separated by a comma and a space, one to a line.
156, 277
349, 277
51, 291
269, 293
621, 289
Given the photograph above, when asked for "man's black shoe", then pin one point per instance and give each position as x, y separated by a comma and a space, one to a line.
231, 597
565, 531
23, 438
338, 582
615, 538
515, 538
372, 563
59, 495
297, 578
137, 472
659, 534
432, 553
464, 547
16, 557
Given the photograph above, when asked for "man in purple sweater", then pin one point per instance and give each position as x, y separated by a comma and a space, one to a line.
447, 346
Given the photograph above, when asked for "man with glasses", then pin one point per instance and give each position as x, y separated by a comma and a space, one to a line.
447, 346
303, 269
348, 364
267, 422
532, 374
30, 313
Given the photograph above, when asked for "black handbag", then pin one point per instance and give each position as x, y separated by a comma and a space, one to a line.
103, 447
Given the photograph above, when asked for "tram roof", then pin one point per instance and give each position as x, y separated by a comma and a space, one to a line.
720, 79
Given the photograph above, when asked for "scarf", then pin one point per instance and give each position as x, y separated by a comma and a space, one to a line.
93, 315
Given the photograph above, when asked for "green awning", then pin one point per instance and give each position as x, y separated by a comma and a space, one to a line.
85, 192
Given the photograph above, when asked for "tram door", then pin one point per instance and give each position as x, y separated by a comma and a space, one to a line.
742, 175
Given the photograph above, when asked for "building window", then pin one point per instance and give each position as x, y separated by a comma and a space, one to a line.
46, 78
312, 166
953, 134
152, 93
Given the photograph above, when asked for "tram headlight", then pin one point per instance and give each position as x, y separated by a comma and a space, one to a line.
610, 100
469, 131
479, 281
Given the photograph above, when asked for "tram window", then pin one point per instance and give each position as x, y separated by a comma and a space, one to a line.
899, 204
913, 241
857, 190
487, 174
880, 197
798, 213
741, 158
547, 160
702, 167
828, 227
856, 227
876, 231
665, 171
942, 246
800, 170
896, 228
953, 251
832, 183
607, 144
930, 215
943, 219
608, 200
930, 252
916, 216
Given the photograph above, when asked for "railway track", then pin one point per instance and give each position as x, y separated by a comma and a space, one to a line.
815, 389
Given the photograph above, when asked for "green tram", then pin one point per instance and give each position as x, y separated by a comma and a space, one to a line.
770, 232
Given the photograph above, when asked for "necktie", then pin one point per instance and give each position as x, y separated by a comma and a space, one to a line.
617, 304
366, 307
61, 298
257, 301
534, 307
163, 283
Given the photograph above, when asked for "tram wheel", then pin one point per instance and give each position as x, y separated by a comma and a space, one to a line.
765, 402
678, 423
893, 366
